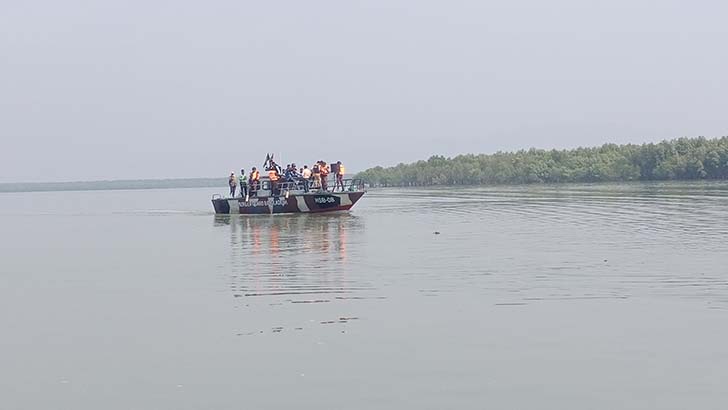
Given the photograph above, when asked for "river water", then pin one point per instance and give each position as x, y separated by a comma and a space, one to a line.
564, 297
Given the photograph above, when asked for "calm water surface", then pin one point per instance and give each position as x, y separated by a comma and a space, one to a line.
564, 297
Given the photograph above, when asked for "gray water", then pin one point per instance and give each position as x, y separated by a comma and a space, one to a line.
562, 297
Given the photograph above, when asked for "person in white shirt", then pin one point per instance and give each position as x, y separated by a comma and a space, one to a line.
305, 177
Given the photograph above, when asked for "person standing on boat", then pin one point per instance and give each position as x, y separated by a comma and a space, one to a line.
254, 181
274, 177
243, 184
324, 176
305, 177
275, 167
306, 173
232, 181
339, 176
316, 174
296, 177
291, 174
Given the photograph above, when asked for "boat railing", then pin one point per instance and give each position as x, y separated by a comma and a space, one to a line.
346, 185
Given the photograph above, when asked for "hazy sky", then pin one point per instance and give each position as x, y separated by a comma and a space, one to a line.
149, 89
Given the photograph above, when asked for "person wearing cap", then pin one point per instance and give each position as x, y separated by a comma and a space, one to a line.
233, 182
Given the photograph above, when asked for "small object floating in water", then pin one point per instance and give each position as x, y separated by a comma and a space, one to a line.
436, 232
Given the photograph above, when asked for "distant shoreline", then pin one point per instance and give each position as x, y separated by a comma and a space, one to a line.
170, 183
683, 159
183, 183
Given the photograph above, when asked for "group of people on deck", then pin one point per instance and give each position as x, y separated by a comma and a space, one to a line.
316, 177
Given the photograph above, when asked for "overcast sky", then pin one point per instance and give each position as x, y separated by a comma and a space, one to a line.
152, 89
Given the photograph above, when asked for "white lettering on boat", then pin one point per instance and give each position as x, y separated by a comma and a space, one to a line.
324, 200
254, 203
280, 202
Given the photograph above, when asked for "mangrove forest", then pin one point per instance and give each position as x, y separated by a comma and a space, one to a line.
679, 159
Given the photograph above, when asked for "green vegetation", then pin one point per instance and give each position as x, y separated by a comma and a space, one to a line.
680, 159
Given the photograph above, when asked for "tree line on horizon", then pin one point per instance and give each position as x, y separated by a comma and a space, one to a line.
678, 159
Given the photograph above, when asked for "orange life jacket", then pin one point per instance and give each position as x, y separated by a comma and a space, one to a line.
325, 170
254, 176
341, 170
273, 175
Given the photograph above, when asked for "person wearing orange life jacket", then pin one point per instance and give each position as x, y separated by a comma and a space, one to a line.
254, 181
339, 176
316, 175
324, 175
274, 177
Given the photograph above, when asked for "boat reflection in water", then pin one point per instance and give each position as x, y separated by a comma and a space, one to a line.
292, 258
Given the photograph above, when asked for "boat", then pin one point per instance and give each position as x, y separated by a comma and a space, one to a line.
291, 197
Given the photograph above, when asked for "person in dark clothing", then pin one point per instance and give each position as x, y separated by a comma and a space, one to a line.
254, 182
274, 166
295, 176
243, 184
316, 175
339, 176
